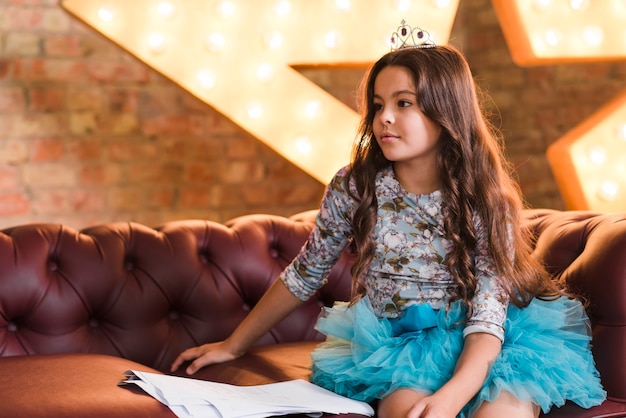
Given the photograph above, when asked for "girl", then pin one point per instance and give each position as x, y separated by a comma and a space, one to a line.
451, 315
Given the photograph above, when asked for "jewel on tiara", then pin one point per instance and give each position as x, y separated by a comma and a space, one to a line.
408, 37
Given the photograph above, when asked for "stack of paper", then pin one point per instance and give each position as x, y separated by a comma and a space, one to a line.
198, 398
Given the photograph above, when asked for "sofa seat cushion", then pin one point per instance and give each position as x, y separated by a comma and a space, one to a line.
72, 385
86, 385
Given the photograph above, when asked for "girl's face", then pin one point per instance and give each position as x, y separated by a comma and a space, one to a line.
403, 132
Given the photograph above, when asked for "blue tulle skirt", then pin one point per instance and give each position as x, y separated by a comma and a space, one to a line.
545, 359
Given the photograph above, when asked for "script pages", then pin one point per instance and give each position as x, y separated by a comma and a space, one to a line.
198, 398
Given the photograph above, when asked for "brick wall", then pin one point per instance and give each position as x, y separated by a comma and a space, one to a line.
89, 135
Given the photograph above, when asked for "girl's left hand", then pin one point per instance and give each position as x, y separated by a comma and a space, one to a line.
432, 407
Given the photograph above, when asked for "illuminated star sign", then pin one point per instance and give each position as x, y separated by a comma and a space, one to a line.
589, 162
238, 57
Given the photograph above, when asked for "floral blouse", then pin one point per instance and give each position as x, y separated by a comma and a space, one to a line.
410, 247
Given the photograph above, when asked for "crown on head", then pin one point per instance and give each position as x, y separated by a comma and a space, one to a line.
408, 37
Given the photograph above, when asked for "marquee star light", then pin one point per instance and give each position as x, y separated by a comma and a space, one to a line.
552, 31
588, 162
238, 56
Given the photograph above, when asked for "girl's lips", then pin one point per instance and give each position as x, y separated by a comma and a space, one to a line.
388, 137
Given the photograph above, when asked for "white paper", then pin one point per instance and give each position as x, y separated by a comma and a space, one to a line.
195, 398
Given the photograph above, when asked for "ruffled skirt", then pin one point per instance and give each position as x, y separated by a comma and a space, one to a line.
545, 358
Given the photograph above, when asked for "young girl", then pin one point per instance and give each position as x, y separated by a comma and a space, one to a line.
451, 316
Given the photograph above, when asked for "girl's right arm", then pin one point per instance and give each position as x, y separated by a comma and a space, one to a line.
298, 282
275, 304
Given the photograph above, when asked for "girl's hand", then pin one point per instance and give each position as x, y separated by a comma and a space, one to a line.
204, 355
432, 407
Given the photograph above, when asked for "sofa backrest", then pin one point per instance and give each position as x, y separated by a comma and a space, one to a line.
146, 294
587, 251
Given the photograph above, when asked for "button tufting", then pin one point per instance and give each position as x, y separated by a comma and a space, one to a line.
94, 323
53, 266
12, 327
129, 265
174, 315
273, 252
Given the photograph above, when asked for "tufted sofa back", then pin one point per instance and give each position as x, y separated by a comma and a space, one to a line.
146, 294
587, 252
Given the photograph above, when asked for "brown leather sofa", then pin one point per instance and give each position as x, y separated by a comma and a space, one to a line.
78, 308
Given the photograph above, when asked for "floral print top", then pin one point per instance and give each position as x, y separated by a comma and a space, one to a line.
410, 248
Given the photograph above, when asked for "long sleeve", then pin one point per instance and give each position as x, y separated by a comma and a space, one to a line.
330, 236
490, 300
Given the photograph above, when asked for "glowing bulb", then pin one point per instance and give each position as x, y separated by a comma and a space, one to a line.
206, 79
541, 5
597, 155
343, 5
579, 5
274, 40
332, 39
255, 110
403, 5
553, 37
608, 191
215, 42
105, 14
265, 72
621, 132
312, 108
593, 35
283, 8
226, 9
303, 144
441, 4
156, 42
166, 9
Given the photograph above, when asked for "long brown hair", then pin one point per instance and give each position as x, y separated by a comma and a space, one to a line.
476, 179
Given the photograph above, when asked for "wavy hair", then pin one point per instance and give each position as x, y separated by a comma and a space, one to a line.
476, 179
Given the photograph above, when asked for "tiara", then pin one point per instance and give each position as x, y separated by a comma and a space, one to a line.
408, 37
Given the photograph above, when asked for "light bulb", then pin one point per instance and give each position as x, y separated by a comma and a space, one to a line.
274, 40
553, 37
255, 110
156, 42
579, 5
312, 108
215, 42
343, 5
166, 9
332, 39
608, 191
597, 155
621, 131
264, 72
226, 9
403, 6
106, 14
441, 4
303, 144
206, 78
542, 5
593, 35
283, 8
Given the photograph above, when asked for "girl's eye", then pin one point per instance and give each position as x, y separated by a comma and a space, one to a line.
377, 107
404, 103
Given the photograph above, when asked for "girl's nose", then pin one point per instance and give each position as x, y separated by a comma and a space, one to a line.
386, 116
